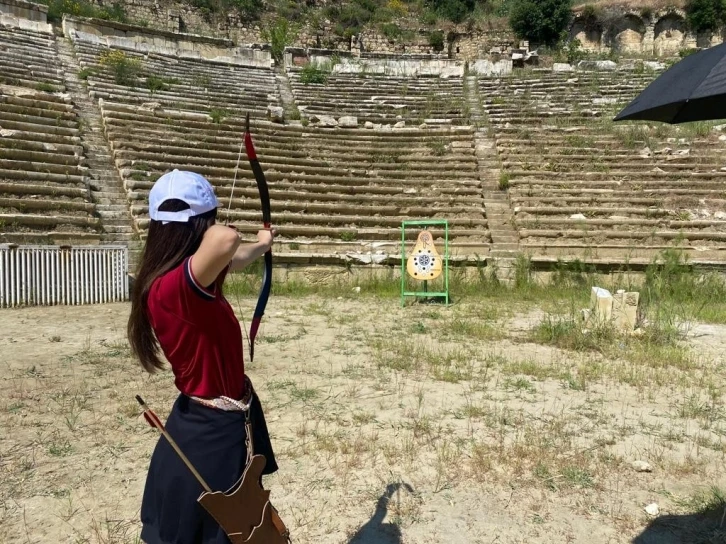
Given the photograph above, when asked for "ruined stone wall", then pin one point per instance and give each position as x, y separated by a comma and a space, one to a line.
461, 42
662, 33
24, 10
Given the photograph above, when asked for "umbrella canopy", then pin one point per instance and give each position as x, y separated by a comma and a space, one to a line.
693, 89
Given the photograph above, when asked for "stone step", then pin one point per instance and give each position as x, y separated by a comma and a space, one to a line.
505, 252
119, 229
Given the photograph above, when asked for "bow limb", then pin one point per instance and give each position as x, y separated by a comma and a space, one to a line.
267, 221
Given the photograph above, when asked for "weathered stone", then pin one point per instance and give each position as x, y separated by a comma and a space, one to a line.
652, 509
601, 301
348, 121
324, 120
604, 65
654, 65
276, 114
578, 217
642, 466
400, 124
562, 67
368, 124
625, 310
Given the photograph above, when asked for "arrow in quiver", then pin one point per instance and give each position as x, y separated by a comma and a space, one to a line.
424, 263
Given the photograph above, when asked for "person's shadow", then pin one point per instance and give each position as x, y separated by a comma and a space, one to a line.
705, 527
374, 531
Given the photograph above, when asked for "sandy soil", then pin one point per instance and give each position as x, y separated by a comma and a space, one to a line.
417, 425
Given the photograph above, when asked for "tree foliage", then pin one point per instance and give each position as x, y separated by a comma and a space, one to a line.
540, 21
281, 33
706, 15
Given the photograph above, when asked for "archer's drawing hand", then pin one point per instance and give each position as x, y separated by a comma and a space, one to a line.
266, 236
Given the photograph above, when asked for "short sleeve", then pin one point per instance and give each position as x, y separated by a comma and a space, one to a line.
179, 293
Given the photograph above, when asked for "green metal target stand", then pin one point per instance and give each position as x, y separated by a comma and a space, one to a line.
445, 273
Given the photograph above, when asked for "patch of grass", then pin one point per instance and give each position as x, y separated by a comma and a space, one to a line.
504, 180
519, 384
438, 147
85, 73
303, 394
45, 87
125, 69
156, 84
313, 74
218, 115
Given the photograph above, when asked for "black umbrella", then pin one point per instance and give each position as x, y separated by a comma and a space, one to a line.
693, 89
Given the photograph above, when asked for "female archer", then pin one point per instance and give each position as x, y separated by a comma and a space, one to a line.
178, 310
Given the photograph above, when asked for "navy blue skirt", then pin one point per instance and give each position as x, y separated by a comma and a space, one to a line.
214, 442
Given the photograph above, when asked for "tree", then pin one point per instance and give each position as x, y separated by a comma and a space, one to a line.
541, 21
706, 15
280, 34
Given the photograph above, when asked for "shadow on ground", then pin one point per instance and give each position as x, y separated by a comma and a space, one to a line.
705, 527
375, 531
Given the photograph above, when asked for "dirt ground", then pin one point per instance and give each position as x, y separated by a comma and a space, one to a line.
418, 425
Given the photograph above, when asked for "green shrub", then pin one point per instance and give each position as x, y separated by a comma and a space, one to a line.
218, 115
705, 15
280, 34
82, 8
504, 180
391, 31
453, 10
436, 40
85, 73
155, 84
251, 9
540, 21
429, 17
312, 73
124, 69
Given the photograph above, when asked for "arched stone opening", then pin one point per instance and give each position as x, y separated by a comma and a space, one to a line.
589, 34
670, 34
626, 34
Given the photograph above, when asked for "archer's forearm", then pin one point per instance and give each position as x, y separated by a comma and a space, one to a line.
246, 254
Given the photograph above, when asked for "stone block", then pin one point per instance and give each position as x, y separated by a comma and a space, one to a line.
324, 120
348, 121
276, 114
562, 67
625, 310
606, 65
601, 302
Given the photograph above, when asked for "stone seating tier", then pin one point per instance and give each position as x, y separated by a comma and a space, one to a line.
581, 185
44, 192
189, 84
380, 98
332, 189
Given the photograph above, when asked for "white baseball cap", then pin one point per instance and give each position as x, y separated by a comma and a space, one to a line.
188, 187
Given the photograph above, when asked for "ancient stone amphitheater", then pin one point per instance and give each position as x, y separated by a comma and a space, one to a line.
527, 162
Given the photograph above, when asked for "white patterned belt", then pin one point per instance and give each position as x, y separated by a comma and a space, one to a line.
229, 404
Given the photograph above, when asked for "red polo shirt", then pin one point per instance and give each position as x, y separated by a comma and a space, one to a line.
198, 333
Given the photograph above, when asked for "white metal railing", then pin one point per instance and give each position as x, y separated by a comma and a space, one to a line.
45, 275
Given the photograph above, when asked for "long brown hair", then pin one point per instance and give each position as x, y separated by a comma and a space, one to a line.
167, 245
